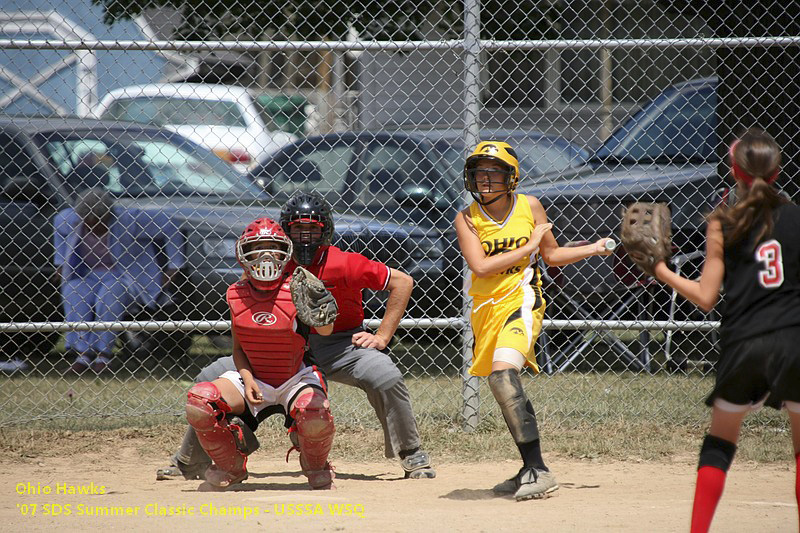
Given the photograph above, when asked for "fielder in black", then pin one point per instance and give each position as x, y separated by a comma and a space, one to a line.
753, 254
350, 355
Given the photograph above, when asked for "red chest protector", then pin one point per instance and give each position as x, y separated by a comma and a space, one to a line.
266, 329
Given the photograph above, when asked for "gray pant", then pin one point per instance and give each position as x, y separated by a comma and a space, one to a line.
375, 373
370, 370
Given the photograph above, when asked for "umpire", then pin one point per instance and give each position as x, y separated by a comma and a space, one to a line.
350, 355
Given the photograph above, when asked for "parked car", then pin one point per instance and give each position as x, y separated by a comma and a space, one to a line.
665, 152
152, 169
224, 118
381, 175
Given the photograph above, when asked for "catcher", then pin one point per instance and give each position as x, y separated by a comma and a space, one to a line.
500, 236
270, 375
753, 253
350, 355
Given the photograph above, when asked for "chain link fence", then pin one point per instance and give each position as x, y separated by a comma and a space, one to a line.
203, 116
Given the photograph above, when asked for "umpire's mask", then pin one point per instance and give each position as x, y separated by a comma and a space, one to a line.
312, 213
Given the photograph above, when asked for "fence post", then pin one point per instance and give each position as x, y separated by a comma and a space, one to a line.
471, 388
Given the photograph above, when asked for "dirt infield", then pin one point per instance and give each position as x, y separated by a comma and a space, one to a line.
88, 492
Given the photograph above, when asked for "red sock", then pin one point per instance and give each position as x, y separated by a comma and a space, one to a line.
797, 482
710, 482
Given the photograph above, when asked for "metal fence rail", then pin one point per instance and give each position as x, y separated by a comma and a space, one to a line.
395, 46
422, 323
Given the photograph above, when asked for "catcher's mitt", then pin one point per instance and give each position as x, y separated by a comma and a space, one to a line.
647, 235
315, 304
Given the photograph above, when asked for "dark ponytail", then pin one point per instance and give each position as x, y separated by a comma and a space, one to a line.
755, 161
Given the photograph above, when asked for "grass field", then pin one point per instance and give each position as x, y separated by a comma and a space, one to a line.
604, 413
613, 416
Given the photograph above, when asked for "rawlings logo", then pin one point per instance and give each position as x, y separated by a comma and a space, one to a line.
264, 318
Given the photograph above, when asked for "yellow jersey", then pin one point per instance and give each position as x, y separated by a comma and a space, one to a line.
502, 236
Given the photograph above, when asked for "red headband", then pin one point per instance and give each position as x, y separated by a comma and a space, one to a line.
740, 175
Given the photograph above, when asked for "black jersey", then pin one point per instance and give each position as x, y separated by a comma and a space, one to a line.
762, 283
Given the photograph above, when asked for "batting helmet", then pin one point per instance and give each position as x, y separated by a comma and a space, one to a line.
497, 152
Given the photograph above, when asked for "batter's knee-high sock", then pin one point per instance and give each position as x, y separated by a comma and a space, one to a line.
531, 453
716, 456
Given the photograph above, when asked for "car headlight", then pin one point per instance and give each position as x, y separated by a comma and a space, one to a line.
219, 248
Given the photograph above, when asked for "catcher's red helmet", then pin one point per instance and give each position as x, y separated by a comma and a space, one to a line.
263, 251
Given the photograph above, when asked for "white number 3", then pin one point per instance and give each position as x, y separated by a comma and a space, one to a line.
769, 253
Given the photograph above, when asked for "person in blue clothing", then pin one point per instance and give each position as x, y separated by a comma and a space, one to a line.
107, 259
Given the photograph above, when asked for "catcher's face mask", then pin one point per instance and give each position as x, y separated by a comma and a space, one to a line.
263, 250
492, 168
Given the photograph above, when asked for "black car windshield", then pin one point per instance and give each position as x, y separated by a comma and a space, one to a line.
365, 172
537, 156
141, 164
675, 128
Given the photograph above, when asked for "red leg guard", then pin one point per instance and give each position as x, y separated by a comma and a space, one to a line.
315, 432
205, 412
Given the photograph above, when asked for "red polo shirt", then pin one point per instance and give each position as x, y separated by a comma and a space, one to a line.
346, 274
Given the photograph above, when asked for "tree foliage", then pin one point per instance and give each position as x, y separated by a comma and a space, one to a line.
333, 19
